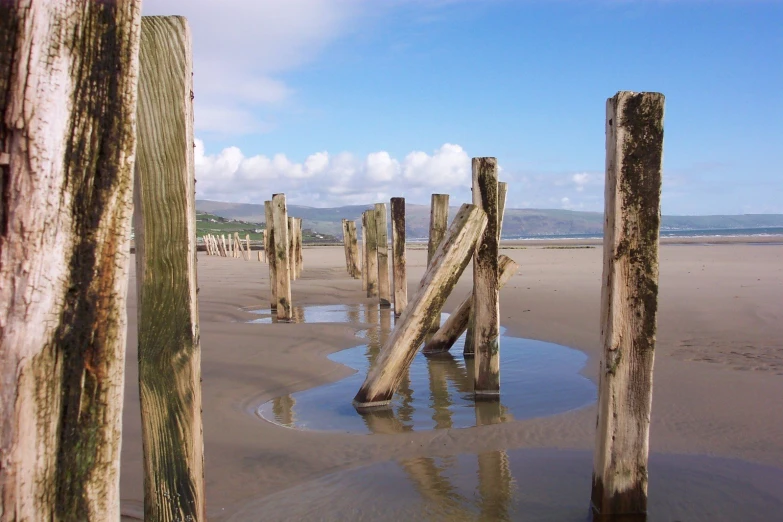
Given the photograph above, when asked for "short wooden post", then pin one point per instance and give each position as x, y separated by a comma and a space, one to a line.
291, 255
439, 221
67, 139
486, 306
372, 254
271, 258
354, 249
169, 351
282, 264
442, 274
364, 251
384, 284
629, 301
457, 322
399, 270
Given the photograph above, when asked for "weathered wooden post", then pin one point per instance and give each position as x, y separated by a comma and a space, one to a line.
629, 301
372, 254
442, 274
364, 251
282, 264
247, 247
299, 255
486, 306
291, 255
354, 249
384, 285
240, 251
439, 221
67, 145
271, 257
458, 321
346, 243
169, 351
399, 270
264, 243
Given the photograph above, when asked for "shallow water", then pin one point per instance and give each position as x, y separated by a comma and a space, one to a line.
525, 484
536, 379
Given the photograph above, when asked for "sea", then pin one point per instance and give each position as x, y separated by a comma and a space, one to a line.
668, 233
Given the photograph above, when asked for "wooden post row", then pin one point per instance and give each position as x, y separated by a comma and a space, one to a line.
66, 178
282, 264
439, 220
384, 288
399, 270
169, 351
448, 263
629, 301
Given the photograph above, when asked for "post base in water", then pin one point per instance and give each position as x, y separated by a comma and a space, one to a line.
486, 395
385, 303
367, 406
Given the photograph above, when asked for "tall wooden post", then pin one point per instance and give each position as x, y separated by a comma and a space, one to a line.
67, 144
282, 264
291, 255
502, 192
299, 256
486, 306
169, 351
264, 243
439, 221
399, 269
364, 251
372, 254
354, 249
442, 274
629, 301
346, 245
384, 285
271, 258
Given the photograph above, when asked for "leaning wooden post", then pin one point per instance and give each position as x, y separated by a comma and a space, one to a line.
399, 270
67, 148
442, 274
169, 351
458, 321
364, 251
282, 264
354, 249
372, 254
271, 258
439, 221
384, 285
629, 301
486, 306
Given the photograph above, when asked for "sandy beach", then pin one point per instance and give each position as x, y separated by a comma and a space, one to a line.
717, 383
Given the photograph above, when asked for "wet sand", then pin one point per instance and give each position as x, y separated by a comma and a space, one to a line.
718, 376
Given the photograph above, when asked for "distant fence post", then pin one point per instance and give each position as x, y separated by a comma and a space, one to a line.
384, 285
271, 258
372, 254
629, 301
282, 264
439, 221
169, 350
399, 270
442, 274
486, 307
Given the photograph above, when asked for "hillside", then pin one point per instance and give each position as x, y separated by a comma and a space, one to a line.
517, 222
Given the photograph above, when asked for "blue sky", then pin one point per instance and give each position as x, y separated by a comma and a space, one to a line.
354, 101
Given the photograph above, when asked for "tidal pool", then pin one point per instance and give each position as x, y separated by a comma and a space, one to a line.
536, 379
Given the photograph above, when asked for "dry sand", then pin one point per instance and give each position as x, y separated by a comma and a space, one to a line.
718, 369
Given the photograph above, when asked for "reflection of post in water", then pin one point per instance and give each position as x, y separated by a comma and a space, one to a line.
495, 486
297, 314
441, 369
428, 479
353, 315
384, 421
283, 409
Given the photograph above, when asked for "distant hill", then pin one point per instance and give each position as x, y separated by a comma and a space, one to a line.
517, 222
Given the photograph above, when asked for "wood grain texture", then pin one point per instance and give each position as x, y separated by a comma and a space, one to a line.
457, 323
384, 283
439, 221
282, 263
165, 214
372, 254
346, 247
399, 269
354, 250
67, 144
298, 249
629, 301
442, 274
486, 305
291, 253
271, 258
364, 251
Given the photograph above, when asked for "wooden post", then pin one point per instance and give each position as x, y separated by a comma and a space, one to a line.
282, 264
384, 285
372, 254
346, 251
354, 249
68, 91
439, 221
265, 244
169, 351
271, 257
457, 322
299, 256
502, 192
398, 255
629, 301
442, 274
364, 251
486, 307
291, 255
247, 247
240, 251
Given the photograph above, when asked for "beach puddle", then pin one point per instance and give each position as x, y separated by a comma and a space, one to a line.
524, 484
536, 379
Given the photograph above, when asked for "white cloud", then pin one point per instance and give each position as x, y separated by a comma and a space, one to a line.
580, 180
